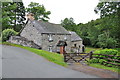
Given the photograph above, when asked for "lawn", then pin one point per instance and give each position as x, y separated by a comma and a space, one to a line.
105, 67
53, 57
88, 49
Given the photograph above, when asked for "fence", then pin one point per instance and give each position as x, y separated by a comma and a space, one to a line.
77, 57
109, 58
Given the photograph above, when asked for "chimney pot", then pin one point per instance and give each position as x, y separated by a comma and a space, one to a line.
30, 16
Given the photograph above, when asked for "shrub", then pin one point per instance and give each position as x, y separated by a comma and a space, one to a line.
104, 42
118, 54
7, 33
94, 61
102, 59
107, 52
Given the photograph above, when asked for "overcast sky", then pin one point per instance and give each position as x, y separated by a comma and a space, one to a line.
81, 10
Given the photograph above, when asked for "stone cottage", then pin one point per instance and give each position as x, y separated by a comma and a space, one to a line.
47, 36
76, 42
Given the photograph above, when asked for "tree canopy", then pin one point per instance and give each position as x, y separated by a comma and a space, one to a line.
69, 24
103, 32
13, 15
39, 11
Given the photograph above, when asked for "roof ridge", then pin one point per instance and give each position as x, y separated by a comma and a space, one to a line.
49, 22
47, 27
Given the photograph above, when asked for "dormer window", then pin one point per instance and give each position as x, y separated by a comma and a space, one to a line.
50, 38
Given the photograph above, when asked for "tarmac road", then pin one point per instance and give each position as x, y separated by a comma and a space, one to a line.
0, 61
20, 63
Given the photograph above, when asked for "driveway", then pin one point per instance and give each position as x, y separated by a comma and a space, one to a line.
20, 63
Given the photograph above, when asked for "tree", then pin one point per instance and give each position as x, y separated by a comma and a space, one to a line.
19, 15
103, 32
82, 31
93, 32
39, 11
6, 13
13, 15
68, 23
108, 8
106, 42
110, 13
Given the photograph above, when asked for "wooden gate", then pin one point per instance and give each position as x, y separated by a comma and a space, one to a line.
76, 57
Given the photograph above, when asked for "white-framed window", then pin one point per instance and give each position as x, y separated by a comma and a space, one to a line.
50, 39
65, 37
50, 48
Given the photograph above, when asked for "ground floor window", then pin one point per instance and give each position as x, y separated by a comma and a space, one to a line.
50, 48
75, 45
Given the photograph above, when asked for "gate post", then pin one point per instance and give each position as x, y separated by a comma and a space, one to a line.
91, 53
64, 55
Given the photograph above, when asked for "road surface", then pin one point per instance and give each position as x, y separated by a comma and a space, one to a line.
0, 61
20, 63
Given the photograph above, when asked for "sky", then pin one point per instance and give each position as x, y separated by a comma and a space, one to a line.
81, 11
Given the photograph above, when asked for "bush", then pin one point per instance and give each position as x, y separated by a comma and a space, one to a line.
107, 52
101, 59
104, 42
7, 33
94, 61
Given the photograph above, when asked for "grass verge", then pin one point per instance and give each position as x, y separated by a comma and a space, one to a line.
105, 67
117, 49
88, 49
53, 57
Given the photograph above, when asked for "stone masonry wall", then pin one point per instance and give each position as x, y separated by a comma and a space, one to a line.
32, 34
23, 41
78, 47
56, 37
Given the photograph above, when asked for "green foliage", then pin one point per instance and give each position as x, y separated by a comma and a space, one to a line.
108, 8
7, 33
104, 67
110, 14
107, 52
39, 11
94, 61
106, 42
13, 14
103, 32
117, 49
102, 58
68, 23
0, 39
88, 49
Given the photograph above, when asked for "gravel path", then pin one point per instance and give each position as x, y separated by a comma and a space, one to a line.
94, 71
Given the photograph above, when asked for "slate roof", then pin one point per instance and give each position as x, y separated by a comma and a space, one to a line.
74, 36
46, 27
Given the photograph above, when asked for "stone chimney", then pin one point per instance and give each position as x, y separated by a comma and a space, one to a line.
30, 16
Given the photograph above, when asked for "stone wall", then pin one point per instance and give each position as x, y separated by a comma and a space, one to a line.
46, 44
31, 33
23, 41
78, 47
